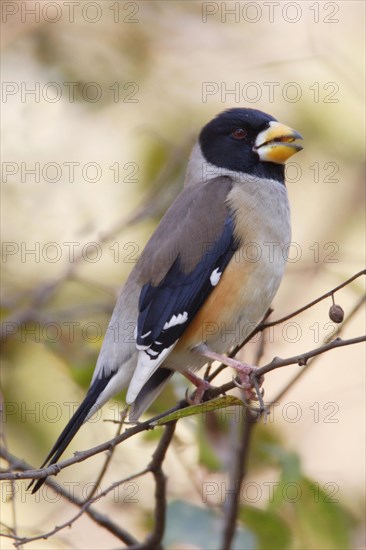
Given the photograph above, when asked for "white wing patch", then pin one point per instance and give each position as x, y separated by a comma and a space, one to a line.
141, 347
152, 353
176, 320
148, 360
215, 277
146, 366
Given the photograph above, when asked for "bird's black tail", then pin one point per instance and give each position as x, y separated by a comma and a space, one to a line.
72, 427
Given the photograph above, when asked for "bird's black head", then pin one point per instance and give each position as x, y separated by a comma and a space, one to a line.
249, 141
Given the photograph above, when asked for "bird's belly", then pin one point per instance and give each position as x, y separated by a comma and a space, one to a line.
231, 312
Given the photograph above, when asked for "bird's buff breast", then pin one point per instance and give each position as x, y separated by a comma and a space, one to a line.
250, 281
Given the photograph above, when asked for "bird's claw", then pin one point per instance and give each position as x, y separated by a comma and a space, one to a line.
247, 382
187, 397
198, 394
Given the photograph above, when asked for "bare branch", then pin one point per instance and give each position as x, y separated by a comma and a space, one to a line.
237, 348
155, 466
84, 508
151, 204
312, 361
79, 456
237, 472
301, 359
263, 326
108, 457
101, 519
276, 363
14, 529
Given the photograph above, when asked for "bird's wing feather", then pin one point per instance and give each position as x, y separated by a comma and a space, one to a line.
168, 302
163, 292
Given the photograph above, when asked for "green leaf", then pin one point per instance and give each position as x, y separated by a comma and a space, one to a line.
201, 528
201, 408
321, 520
272, 531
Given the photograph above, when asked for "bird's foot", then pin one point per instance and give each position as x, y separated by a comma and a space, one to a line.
201, 387
245, 379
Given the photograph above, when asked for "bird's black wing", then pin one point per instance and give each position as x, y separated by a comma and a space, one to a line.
165, 310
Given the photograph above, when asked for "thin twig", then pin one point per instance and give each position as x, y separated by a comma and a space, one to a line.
83, 509
100, 519
13, 530
235, 350
237, 473
156, 468
312, 361
263, 326
302, 358
276, 363
151, 204
108, 457
240, 446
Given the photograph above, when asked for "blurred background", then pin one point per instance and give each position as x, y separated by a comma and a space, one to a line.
101, 103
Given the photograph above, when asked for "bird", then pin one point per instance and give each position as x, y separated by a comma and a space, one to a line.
208, 273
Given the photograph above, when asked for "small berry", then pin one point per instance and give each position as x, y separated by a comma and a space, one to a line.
336, 313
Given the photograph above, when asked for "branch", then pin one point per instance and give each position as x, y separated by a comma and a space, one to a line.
236, 475
84, 508
264, 325
276, 363
302, 359
100, 519
3, 438
209, 377
152, 203
242, 435
237, 471
312, 361
108, 457
54, 469
155, 466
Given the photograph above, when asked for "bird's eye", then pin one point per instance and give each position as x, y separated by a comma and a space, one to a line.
239, 133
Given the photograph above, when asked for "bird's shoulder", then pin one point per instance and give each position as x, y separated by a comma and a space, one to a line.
190, 226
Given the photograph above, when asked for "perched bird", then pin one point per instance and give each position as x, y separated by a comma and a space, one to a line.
209, 272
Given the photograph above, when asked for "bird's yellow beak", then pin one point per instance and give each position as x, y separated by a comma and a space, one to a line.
276, 143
